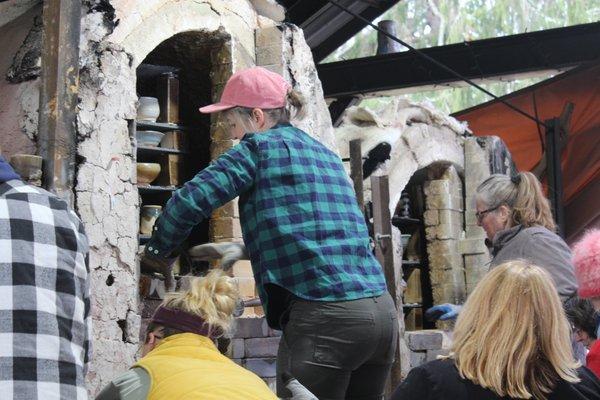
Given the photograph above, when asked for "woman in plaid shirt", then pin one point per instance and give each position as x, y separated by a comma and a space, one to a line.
306, 238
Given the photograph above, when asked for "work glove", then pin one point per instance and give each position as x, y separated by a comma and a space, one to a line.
443, 312
162, 265
298, 391
227, 252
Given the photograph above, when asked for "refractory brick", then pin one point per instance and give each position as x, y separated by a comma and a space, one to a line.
263, 367
424, 340
261, 347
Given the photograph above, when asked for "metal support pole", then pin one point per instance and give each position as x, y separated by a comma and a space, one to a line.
356, 172
385, 45
58, 96
557, 130
384, 251
554, 172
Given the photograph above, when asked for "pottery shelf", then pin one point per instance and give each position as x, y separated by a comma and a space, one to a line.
159, 98
411, 264
145, 150
159, 276
405, 222
160, 126
407, 308
155, 189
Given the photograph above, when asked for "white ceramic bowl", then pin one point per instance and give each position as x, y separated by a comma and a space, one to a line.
149, 138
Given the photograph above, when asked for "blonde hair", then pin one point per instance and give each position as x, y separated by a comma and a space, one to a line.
512, 335
523, 194
212, 297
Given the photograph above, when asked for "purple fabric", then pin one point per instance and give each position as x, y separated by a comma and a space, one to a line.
184, 321
6, 172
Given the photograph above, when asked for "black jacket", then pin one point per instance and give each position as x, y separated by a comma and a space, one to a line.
440, 380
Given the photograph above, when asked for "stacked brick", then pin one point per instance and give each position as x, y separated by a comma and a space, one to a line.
444, 227
472, 247
254, 346
426, 345
228, 59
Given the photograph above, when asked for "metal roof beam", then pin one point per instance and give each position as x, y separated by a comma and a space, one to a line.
326, 27
551, 49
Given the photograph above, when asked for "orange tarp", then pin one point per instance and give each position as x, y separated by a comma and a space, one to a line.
581, 158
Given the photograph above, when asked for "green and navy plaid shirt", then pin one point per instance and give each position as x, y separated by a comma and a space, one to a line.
300, 220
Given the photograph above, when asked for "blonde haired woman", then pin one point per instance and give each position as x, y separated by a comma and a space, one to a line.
511, 340
516, 217
180, 359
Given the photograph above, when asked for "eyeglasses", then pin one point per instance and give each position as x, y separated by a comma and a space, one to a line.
481, 214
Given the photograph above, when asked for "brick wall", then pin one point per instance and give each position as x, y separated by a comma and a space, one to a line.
254, 346
472, 246
226, 60
444, 226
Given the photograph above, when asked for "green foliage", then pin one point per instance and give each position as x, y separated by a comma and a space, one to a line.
427, 23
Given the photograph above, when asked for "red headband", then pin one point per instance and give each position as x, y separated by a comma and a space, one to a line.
184, 321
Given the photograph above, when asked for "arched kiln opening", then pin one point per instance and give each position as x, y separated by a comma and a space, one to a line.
173, 82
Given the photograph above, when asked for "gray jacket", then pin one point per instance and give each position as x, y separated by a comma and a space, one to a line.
541, 247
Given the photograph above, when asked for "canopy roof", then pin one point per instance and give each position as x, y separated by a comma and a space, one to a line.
580, 159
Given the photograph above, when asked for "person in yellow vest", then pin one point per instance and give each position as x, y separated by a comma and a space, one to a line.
180, 359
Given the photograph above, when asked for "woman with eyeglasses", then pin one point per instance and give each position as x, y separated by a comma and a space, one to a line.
516, 217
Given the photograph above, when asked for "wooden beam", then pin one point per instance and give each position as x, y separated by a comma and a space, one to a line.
356, 172
58, 95
384, 251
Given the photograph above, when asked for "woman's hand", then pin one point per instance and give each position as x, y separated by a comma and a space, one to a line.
227, 252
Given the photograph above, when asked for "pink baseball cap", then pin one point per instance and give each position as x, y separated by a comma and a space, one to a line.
255, 87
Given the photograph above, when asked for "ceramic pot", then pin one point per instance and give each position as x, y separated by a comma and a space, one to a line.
147, 172
148, 218
149, 138
148, 109
29, 167
404, 239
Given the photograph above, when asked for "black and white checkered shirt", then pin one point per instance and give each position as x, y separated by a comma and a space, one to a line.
44, 296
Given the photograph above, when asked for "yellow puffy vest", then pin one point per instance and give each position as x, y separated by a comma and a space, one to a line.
189, 366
